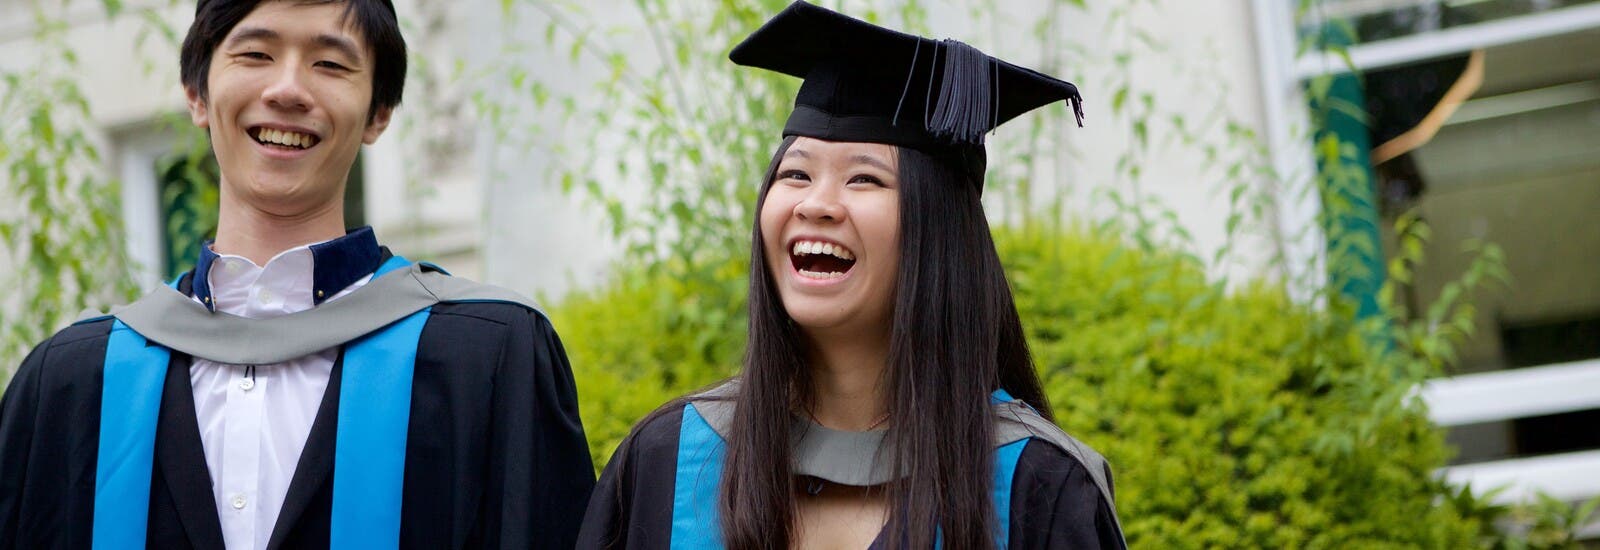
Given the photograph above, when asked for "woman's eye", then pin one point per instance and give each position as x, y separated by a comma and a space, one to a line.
794, 175
871, 180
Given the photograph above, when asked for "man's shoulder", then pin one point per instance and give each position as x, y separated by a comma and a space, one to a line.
501, 311
456, 291
79, 348
81, 332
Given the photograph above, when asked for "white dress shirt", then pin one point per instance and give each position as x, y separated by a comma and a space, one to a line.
254, 419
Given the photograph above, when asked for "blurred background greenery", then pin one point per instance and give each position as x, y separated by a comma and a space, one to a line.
1249, 391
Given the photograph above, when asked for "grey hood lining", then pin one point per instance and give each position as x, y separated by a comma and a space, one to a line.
864, 458
170, 318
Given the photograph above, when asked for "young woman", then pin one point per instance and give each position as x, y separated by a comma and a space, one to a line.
887, 399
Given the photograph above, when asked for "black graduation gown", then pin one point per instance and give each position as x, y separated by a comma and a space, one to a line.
1054, 503
495, 456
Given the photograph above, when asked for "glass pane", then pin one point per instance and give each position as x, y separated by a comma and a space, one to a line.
189, 199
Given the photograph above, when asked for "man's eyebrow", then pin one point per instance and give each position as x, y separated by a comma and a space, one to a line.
342, 44
252, 33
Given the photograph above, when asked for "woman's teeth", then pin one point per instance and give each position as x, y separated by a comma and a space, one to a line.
807, 248
285, 138
820, 274
820, 260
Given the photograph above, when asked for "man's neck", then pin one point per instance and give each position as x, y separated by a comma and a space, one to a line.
258, 235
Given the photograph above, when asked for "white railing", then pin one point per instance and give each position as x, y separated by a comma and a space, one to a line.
1522, 393
1396, 51
1516, 393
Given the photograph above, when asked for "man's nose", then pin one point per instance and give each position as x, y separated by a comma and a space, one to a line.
288, 91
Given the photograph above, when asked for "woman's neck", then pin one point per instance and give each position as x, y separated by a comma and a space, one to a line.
848, 387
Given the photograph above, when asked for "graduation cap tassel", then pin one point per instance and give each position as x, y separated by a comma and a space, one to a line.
965, 108
913, 70
1077, 107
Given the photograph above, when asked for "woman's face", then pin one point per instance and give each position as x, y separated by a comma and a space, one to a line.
831, 231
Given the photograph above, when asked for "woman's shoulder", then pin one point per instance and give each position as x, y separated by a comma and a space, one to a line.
1062, 489
658, 433
1049, 444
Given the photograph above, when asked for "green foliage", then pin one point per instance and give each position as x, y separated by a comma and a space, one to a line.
190, 197
1237, 419
1544, 523
1233, 419
647, 339
62, 232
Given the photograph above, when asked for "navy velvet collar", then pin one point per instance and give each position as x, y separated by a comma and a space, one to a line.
336, 264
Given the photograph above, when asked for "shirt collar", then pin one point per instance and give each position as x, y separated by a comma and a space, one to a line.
336, 264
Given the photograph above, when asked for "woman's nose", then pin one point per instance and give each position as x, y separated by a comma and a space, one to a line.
821, 204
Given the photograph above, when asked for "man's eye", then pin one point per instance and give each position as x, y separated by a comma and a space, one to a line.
332, 65
256, 55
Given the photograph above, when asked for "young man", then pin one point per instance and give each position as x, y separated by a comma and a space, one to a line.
302, 387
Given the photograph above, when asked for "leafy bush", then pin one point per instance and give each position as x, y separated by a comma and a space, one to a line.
1237, 420
648, 337
1233, 419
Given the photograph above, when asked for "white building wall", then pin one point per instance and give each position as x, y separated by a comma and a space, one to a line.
494, 212
133, 92
539, 241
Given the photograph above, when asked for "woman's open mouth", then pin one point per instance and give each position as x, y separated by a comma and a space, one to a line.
821, 260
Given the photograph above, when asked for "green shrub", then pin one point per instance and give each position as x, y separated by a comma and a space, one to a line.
1234, 419
646, 338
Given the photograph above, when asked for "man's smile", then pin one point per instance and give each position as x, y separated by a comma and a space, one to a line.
292, 139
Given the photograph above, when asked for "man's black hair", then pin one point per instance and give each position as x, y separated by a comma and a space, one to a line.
374, 19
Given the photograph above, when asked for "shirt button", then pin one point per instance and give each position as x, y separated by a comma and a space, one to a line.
238, 502
247, 384
265, 296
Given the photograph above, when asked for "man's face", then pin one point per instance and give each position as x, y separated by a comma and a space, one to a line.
289, 91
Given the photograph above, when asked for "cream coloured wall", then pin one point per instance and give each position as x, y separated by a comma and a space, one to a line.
490, 209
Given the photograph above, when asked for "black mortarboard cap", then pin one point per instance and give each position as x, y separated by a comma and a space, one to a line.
863, 82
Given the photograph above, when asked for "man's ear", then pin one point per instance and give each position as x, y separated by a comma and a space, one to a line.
376, 126
197, 108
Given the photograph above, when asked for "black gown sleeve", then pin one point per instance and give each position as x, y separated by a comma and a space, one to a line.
18, 411
632, 506
540, 475
1055, 504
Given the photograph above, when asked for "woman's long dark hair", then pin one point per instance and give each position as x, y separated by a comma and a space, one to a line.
955, 338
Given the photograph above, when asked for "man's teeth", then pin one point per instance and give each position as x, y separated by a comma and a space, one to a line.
282, 137
806, 248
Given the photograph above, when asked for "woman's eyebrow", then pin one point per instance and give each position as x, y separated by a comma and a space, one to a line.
872, 161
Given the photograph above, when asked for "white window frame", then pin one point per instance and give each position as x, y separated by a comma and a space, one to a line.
1458, 400
138, 150
1441, 43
